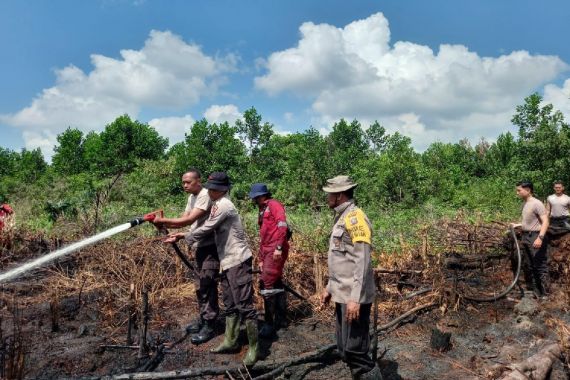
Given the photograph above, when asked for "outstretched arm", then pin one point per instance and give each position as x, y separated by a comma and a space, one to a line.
183, 221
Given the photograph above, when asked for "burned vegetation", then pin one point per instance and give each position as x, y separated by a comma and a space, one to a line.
449, 306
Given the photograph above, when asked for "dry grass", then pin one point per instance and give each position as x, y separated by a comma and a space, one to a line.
106, 271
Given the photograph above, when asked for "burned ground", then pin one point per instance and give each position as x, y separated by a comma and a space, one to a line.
71, 320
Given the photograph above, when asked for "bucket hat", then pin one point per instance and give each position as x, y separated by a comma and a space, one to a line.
339, 184
218, 181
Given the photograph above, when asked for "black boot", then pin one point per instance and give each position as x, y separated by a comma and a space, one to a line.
195, 326
281, 311
268, 330
373, 374
206, 333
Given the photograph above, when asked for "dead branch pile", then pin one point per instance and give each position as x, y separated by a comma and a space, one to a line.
536, 367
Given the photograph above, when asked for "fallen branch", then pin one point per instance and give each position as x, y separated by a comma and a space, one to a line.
268, 368
538, 366
262, 366
417, 293
397, 271
402, 317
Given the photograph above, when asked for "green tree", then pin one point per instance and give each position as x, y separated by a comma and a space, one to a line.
348, 146
305, 165
543, 144
31, 165
499, 157
393, 176
8, 160
255, 134
211, 147
122, 143
69, 157
376, 136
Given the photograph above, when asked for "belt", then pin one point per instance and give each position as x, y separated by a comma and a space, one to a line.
531, 232
558, 217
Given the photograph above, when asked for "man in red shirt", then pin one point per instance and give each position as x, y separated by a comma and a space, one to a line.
5, 210
273, 252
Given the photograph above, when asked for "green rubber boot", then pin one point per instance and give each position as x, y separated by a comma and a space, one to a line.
252, 352
230, 336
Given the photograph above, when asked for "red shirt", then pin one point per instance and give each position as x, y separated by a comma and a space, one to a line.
272, 227
4, 211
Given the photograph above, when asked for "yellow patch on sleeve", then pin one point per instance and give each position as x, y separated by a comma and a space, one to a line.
355, 223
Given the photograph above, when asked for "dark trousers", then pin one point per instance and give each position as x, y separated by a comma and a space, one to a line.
353, 339
208, 265
535, 262
237, 290
558, 226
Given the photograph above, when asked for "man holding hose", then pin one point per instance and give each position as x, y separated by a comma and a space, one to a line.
208, 263
225, 225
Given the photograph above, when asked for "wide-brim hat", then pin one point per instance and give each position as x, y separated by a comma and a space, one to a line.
257, 190
218, 181
339, 184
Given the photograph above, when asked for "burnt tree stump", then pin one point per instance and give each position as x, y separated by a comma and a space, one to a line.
440, 341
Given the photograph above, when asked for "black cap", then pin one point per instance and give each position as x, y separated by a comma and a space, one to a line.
218, 181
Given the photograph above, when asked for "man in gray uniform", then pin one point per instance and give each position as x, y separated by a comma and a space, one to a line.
236, 259
208, 263
557, 206
534, 226
351, 279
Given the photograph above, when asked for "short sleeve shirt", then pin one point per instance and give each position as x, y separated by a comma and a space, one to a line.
201, 201
559, 205
532, 210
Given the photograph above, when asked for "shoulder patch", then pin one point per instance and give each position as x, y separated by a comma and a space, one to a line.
356, 225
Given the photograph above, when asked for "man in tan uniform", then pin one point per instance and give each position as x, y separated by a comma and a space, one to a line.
534, 226
351, 279
236, 259
557, 206
208, 263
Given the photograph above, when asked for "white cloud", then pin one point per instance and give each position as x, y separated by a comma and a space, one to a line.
354, 72
221, 113
559, 97
288, 116
166, 72
173, 127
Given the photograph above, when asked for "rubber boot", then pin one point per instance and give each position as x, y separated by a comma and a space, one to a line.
281, 311
253, 350
195, 326
230, 336
267, 330
206, 333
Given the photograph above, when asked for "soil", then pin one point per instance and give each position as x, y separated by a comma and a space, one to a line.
68, 336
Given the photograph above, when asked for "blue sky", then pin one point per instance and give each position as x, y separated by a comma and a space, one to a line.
433, 70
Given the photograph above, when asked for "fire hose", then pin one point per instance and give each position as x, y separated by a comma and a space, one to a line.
150, 217
23, 268
513, 283
491, 298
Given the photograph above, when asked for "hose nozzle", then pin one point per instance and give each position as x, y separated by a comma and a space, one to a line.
137, 221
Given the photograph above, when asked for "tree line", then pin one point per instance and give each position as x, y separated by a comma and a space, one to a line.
130, 162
